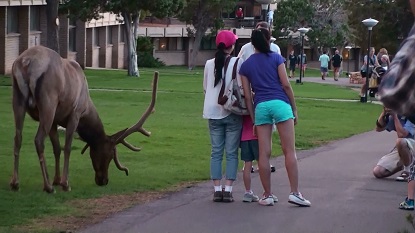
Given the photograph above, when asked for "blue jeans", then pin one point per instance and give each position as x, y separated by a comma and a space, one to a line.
225, 134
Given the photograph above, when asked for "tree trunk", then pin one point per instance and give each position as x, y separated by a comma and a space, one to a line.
201, 29
52, 40
131, 31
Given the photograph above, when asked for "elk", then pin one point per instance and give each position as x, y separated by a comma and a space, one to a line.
54, 91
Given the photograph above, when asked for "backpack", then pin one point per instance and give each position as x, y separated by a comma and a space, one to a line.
231, 97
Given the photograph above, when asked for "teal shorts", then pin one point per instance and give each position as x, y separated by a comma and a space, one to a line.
273, 112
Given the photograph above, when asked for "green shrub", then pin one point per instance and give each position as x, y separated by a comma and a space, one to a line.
145, 54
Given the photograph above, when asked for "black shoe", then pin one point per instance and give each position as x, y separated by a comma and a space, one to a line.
218, 196
227, 197
272, 168
252, 170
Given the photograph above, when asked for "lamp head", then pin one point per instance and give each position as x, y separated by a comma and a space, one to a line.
370, 23
303, 31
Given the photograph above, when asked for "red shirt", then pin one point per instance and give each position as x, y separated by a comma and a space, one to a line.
239, 14
247, 129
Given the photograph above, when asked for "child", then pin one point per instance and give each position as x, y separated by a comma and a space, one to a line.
249, 153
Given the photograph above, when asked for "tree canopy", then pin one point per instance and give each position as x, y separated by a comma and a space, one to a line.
203, 14
130, 10
326, 19
393, 16
86, 10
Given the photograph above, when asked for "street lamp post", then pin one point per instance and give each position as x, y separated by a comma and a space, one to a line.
302, 31
369, 23
348, 59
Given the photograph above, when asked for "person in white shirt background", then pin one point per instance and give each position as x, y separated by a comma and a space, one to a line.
270, 17
248, 49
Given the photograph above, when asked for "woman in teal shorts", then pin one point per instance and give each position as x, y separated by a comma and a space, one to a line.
264, 73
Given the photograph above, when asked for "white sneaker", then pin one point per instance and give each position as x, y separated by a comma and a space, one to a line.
250, 197
266, 201
275, 198
298, 199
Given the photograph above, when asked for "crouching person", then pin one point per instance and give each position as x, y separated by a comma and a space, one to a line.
401, 156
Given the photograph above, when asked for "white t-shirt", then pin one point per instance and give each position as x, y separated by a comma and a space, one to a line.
211, 108
271, 15
248, 49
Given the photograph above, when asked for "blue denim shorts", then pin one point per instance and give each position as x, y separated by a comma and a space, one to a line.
272, 112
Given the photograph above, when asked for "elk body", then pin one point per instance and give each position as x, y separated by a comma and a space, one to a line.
54, 91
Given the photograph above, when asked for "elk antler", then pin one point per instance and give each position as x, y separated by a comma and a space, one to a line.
118, 164
138, 127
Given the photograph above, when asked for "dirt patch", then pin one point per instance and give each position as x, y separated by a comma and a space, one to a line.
92, 211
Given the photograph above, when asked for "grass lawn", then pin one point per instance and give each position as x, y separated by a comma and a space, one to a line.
179, 145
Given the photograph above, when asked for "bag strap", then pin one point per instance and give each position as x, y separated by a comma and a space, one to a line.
222, 89
235, 66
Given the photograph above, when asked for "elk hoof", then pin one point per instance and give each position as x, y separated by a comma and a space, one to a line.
66, 187
14, 186
49, 189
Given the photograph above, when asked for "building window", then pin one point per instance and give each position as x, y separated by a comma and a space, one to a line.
34, 18
122, 34
169, 44
208, 43
162, 44
72, 35
96, 36
109, 35
12, 20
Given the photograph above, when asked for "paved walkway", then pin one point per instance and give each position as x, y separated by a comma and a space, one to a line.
336, 178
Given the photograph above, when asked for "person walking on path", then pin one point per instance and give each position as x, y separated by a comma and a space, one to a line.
224, 127
264, 73
302, 59
337, 63
324, 64
293, 61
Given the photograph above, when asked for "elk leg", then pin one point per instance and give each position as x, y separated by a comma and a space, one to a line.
54, 139
40, 149
19, 110
70, 130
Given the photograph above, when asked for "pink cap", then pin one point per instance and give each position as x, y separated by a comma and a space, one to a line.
226, 37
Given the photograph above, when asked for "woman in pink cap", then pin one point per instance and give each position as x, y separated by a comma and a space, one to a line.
224, 126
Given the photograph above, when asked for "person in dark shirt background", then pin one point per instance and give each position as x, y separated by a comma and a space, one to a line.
337, 62
293, 61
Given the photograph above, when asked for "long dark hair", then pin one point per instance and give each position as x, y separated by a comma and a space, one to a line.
260, 38
220, 57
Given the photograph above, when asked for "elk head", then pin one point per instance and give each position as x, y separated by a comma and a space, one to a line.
106, 149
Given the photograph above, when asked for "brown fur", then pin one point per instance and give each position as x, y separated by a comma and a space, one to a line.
54, 91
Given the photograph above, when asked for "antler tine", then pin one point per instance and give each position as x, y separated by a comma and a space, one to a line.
118, 164
138, 127
129, 146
